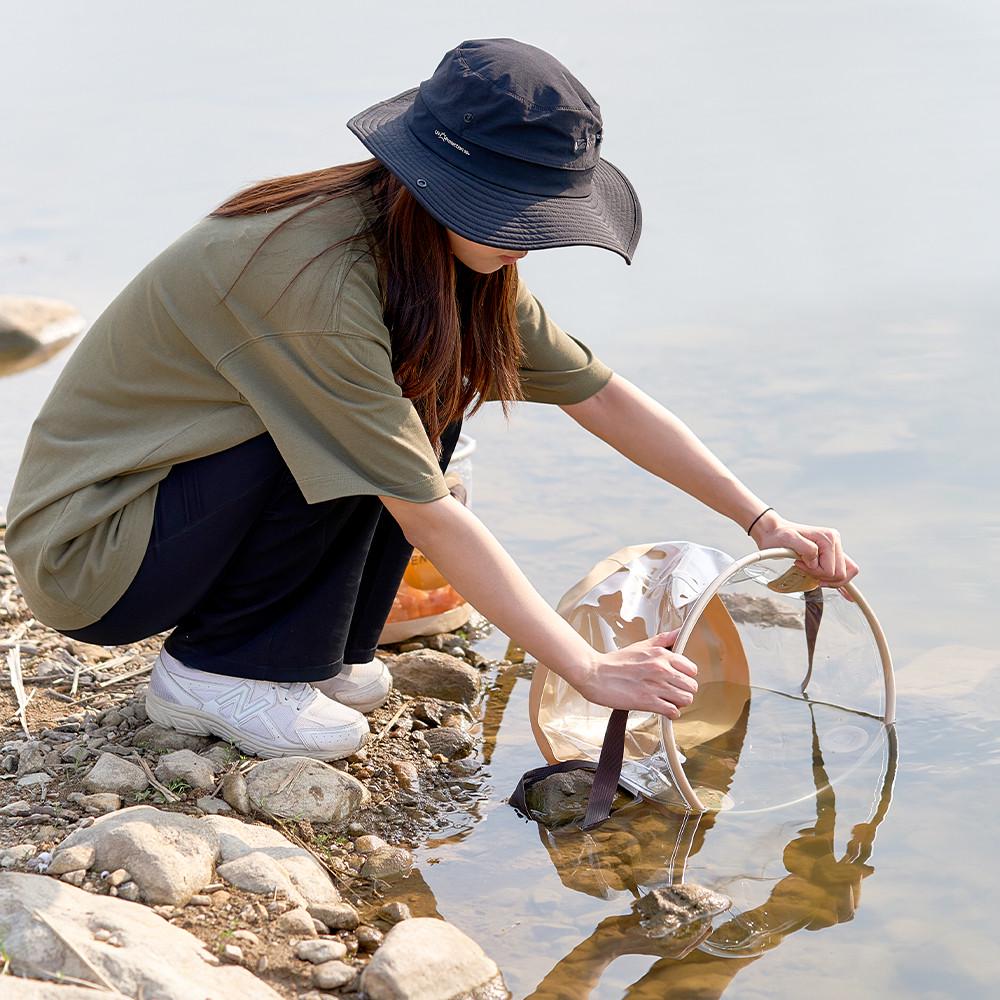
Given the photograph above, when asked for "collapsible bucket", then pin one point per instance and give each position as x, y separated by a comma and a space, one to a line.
781, 662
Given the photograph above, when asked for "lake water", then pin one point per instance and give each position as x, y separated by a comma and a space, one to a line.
815, 293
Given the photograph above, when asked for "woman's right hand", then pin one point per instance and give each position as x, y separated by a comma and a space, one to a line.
645, 676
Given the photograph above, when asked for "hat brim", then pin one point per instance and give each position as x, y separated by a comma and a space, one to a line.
609, 216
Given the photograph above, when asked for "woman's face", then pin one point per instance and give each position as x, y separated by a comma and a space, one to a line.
482, 258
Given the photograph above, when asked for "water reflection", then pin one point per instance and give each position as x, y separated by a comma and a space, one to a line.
650, 846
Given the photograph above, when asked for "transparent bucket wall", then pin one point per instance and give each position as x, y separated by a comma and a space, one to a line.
772, 721
752, 736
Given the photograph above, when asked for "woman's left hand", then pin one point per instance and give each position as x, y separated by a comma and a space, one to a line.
821, 554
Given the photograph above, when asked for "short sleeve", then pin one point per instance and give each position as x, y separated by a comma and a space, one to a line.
556, 367
337, 415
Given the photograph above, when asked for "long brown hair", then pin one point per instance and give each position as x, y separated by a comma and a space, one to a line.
454, 331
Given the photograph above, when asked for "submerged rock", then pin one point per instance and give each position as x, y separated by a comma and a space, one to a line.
428, 959
561, 798
674, 909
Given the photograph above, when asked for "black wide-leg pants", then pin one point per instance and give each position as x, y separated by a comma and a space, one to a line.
255, 582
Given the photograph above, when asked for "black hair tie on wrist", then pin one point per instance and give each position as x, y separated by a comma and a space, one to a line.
757, 518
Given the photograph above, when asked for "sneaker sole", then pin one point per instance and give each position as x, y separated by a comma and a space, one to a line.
194, 722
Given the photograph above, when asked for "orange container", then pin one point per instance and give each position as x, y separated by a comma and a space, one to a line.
426, 603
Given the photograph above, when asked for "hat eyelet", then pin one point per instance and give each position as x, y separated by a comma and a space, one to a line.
421, 183
468, 116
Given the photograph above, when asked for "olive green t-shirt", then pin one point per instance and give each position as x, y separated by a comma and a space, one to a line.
171, 371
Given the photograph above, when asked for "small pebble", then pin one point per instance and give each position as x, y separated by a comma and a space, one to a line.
296, 921
129, 891
333, 975
320, 951
394, 912
368, 843
369, 938
232, 953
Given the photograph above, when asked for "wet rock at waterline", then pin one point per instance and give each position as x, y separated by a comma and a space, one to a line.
111, 943
455, 744
674, 909
170, 856
428, 959
305, 789
387, 863
561, 798
32, 330
426, 672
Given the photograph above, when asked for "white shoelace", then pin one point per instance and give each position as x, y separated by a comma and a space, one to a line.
294, 692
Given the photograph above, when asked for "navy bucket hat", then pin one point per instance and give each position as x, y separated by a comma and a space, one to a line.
502, 145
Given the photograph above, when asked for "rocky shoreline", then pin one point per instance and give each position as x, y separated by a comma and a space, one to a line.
150, 863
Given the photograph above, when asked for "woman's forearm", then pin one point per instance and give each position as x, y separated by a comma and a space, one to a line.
647, 433
473, 561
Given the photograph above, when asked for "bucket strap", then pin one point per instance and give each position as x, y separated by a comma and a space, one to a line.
609, 770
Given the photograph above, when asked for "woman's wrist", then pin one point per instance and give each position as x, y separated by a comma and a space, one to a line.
764, 525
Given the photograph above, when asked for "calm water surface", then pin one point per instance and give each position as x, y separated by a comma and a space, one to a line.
815, 294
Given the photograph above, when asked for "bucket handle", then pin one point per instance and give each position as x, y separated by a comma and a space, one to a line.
666, 726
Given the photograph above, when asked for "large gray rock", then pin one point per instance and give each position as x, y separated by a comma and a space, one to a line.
438, 675
309, 879
428, 959
303, 788
113, 774
15, 988
49, 927
187, 766
170, 856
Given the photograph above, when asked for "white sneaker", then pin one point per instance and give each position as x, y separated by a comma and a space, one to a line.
362, 686
261, 717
